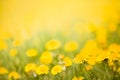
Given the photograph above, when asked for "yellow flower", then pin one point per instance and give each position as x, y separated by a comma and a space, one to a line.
13, 75
30, 67
78, 78
67, 61
3, 70
32, 52
46, 57
60, 56
91, 60
104, 55
92, 27
75, 78
88, 67
17, 43
13, 52
71, 46
42, 69
56, 69
114, 50
53, 44
79, 58
101, 35
112, 27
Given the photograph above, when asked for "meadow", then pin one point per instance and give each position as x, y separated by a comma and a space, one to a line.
59, 39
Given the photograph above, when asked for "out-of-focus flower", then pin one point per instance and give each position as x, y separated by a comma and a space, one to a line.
13, 52
88, 67
101, 35
32, 52
112, 27
78, 78
67, 61
91, 60
30, 67
75, 78
71, 46
42, 69
79, 58
61, 56
13, 75
46, 57
111, 63
53, 44
56, 69
92, 27
114, 50
103, 55
3, 70
17, 43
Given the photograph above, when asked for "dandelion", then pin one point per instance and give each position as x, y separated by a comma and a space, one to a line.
92, 27
46, 57
75, 78
71, 46
67, 61
13, 75
112, 27
3, 70
53, 44
78, 78
32, 52
13, 52
42, 69
30, 67
79, 58
88, 67
60, 56
114, 50
56, 69
101, 35
17, 43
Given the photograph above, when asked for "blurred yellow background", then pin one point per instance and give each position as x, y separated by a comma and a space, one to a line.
22, 18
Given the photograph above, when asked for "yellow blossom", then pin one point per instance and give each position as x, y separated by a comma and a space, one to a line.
30, 67
67, 61
13, 52
112, 27
78, 78
101, 35
53, 44
17, 43
56, 69
71, 46
61, 56
91, 60
13, 75
88, 67
92, 27
46, 57
75, 78
32, 52
3, 70
42, 69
